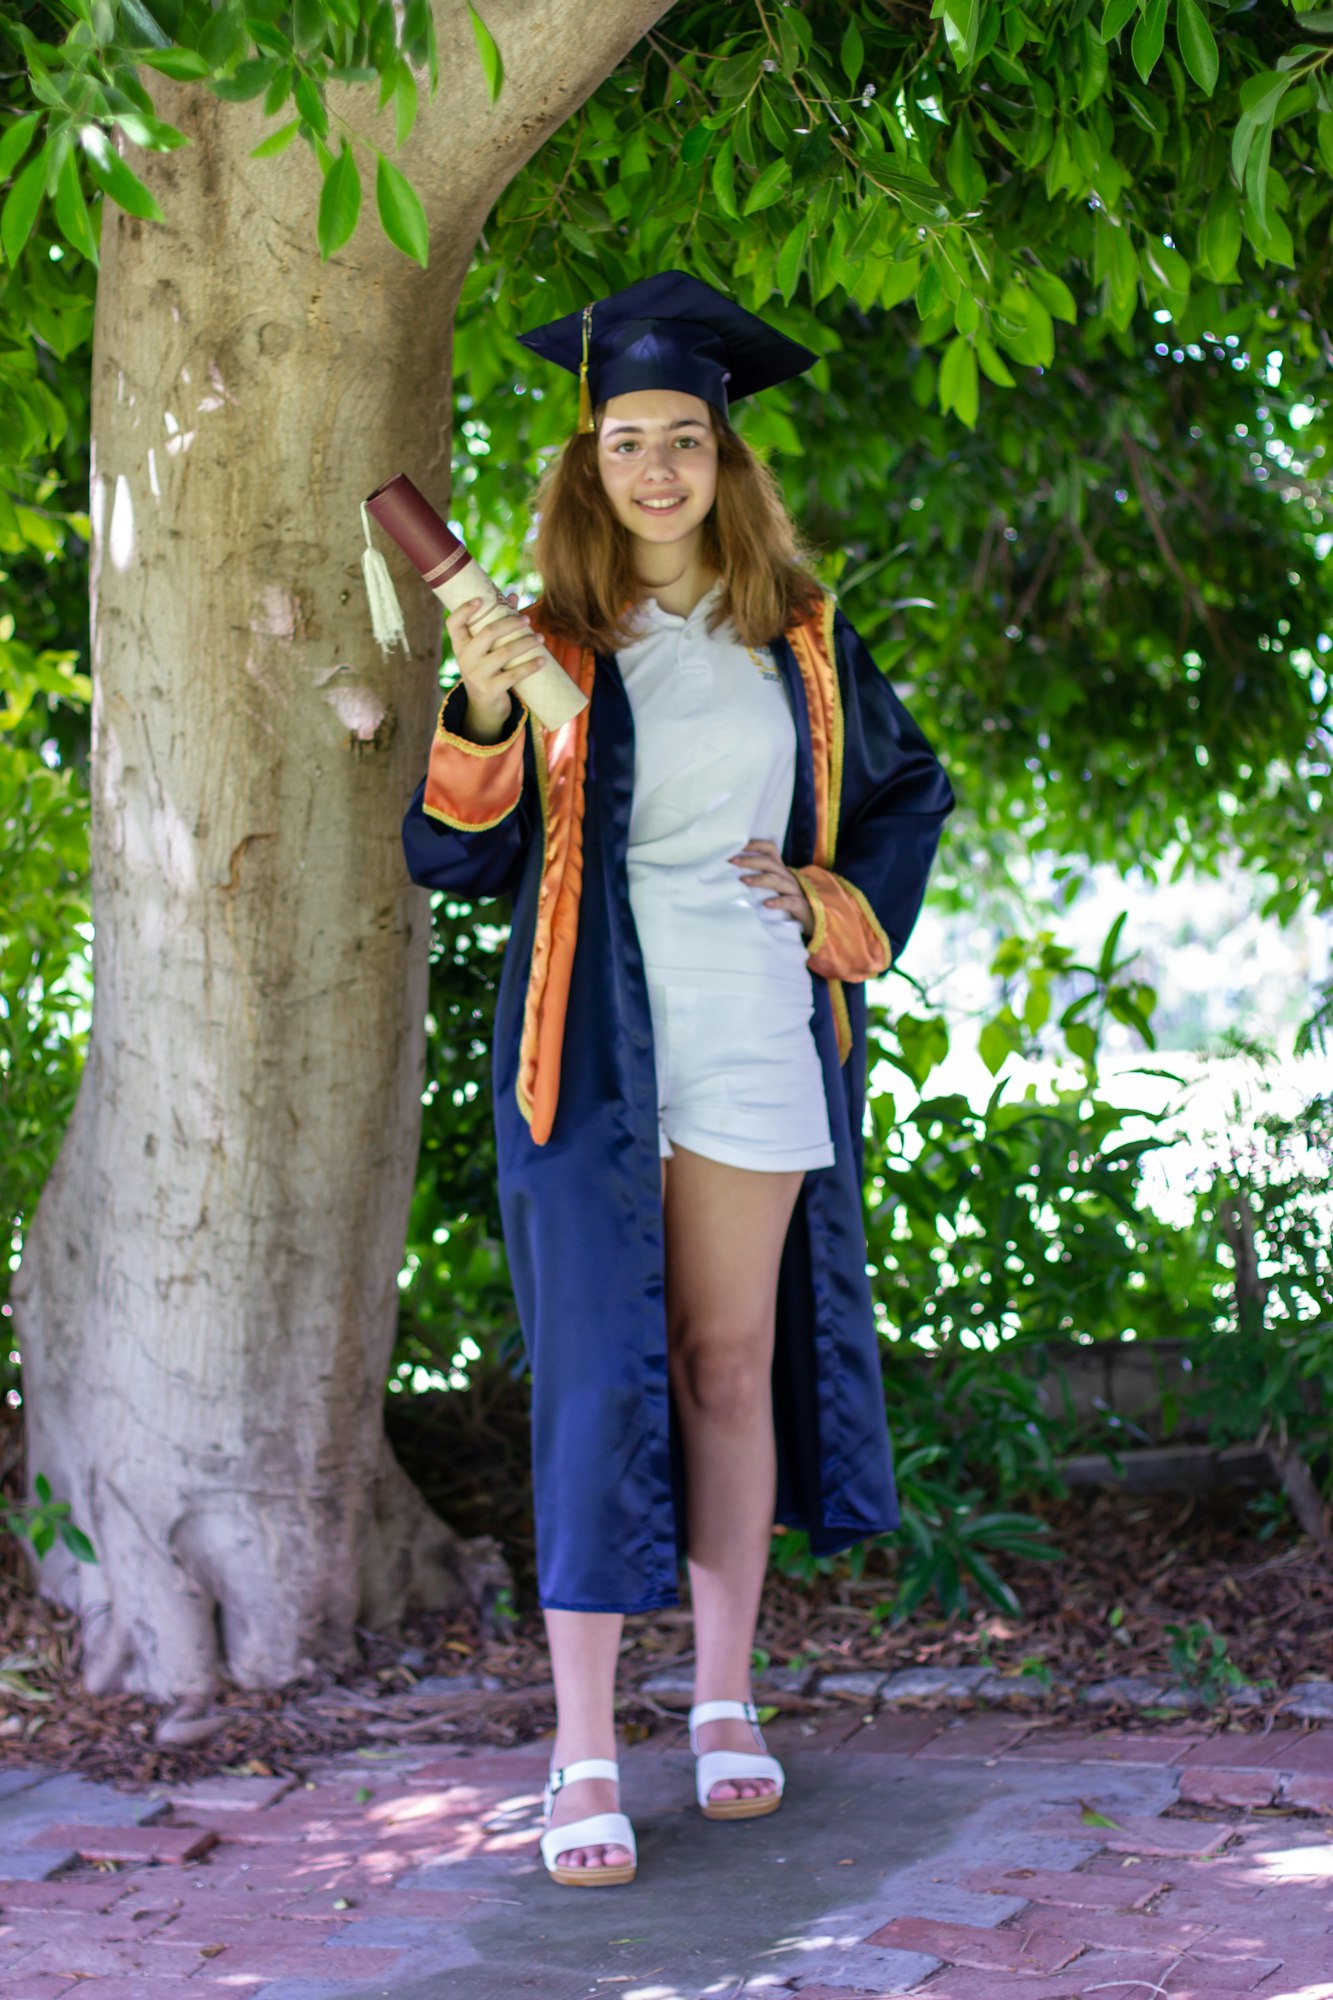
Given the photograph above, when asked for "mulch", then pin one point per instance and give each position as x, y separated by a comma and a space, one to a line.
1131, 1567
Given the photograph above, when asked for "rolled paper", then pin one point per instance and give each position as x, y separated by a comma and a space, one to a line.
456, 577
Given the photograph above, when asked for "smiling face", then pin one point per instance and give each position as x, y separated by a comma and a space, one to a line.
657, 456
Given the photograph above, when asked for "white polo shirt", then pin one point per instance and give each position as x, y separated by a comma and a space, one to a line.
714, 766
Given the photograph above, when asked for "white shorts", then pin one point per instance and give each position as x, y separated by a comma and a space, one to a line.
739, 1078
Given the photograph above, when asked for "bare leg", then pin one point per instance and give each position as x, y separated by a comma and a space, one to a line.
725, 1228
584, 1646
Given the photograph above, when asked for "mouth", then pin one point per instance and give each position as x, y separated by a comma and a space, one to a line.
665, 505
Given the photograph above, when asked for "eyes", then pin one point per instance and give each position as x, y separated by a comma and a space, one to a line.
631, 444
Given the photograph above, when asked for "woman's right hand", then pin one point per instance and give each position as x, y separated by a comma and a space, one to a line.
487, 666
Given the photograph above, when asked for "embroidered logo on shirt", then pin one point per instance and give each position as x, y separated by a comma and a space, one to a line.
764, 661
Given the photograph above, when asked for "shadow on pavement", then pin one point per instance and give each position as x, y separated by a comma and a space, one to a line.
715, 1908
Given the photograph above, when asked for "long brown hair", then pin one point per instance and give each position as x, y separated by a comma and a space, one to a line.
584, 553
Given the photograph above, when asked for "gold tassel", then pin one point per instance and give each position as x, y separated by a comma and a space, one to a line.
585, 397
386, 614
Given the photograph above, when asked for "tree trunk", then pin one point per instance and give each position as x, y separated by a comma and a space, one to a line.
207, 1299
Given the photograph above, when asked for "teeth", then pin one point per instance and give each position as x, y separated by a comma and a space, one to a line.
662, 506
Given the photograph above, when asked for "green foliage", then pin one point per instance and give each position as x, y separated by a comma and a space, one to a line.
949, 1538
1199, 1659
43, 1521
1264, 1358
45, 928
455, 1285
1021, 1220
1108, 597
1099, 242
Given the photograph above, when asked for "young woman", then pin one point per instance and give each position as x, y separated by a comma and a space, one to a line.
705, 867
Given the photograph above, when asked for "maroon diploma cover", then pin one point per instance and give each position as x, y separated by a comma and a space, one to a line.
432, 546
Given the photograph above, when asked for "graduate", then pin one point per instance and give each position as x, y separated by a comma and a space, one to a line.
704, 866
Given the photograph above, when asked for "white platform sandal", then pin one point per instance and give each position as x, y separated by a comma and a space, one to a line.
713, 1766
597, 1830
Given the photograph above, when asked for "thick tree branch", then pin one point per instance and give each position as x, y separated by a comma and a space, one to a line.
465, 150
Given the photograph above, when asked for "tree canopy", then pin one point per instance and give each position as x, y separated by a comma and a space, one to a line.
1067, 270
1064, 455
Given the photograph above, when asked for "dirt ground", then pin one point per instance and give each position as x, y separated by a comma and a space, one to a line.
1131, 1568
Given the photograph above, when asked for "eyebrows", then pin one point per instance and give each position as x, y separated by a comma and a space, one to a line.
614, 430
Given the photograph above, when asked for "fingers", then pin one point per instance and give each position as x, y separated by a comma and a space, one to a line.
496, 633
496, 657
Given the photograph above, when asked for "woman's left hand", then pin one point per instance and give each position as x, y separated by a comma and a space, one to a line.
770, 871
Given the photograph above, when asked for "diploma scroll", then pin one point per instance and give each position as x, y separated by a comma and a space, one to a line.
455, 577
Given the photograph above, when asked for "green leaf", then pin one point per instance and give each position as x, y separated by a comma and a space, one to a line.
962, 20
1241, 141
694, 146
788, 267
1117, 13
404, 104
1219, 239
1091, 1817
72, 210
111, 174
225, 41
21, 206
733, 77
1261, 93
77, 1543
339, 202
16, 141
492, 62
900, 281
182, 65
276, 142
929, 292
310, 25
1324, 134
852, 54
1054, 294
924, 1043
1198, 46
991, 364
1149, 35
247, 80
768, 188
41, 1486
723, 180
997, 1041
310, 104
1256, 175
401, 213
1023, 325
958, 381
279, 90
966, 313
964, 175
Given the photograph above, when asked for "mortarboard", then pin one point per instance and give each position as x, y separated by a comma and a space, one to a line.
670, 331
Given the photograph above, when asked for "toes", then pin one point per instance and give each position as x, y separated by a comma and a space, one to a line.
594, 1857
740, 1788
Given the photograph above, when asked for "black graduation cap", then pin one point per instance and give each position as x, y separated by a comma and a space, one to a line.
670, 331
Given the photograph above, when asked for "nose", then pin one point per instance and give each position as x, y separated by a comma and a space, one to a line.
658, 469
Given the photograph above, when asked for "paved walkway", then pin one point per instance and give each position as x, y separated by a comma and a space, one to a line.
951, 1858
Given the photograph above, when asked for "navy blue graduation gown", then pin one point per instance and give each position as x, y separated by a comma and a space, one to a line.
582, 1214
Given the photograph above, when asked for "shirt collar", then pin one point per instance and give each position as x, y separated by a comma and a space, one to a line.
658, 620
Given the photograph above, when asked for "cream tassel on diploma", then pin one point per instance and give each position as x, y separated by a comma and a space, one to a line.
432, 546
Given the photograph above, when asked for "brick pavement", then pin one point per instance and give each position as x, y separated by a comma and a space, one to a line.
930, 1855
